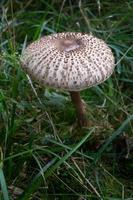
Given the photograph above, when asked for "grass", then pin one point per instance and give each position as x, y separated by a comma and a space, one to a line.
43, 154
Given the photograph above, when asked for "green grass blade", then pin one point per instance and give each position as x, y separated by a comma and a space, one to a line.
2, 178
38, 179
119, 131
69, 153
3, 185
69, 148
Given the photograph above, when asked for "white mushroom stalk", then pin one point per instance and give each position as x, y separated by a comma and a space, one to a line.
69, 61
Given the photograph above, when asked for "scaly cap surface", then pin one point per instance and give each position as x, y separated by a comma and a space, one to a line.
69, 61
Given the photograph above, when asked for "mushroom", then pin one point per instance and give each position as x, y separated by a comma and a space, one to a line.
69, 61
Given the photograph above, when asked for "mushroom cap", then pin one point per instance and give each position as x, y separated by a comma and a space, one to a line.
70, 61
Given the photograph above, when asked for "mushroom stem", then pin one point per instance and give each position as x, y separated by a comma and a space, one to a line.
81, 113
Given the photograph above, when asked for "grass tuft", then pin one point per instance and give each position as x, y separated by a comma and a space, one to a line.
43, 154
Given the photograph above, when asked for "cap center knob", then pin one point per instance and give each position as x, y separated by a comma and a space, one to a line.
68, 44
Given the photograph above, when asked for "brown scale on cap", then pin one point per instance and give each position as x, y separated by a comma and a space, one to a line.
69, 61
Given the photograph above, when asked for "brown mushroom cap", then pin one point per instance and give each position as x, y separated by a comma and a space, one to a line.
69, 61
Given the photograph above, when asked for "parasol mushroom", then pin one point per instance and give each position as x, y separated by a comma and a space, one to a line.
69, 61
